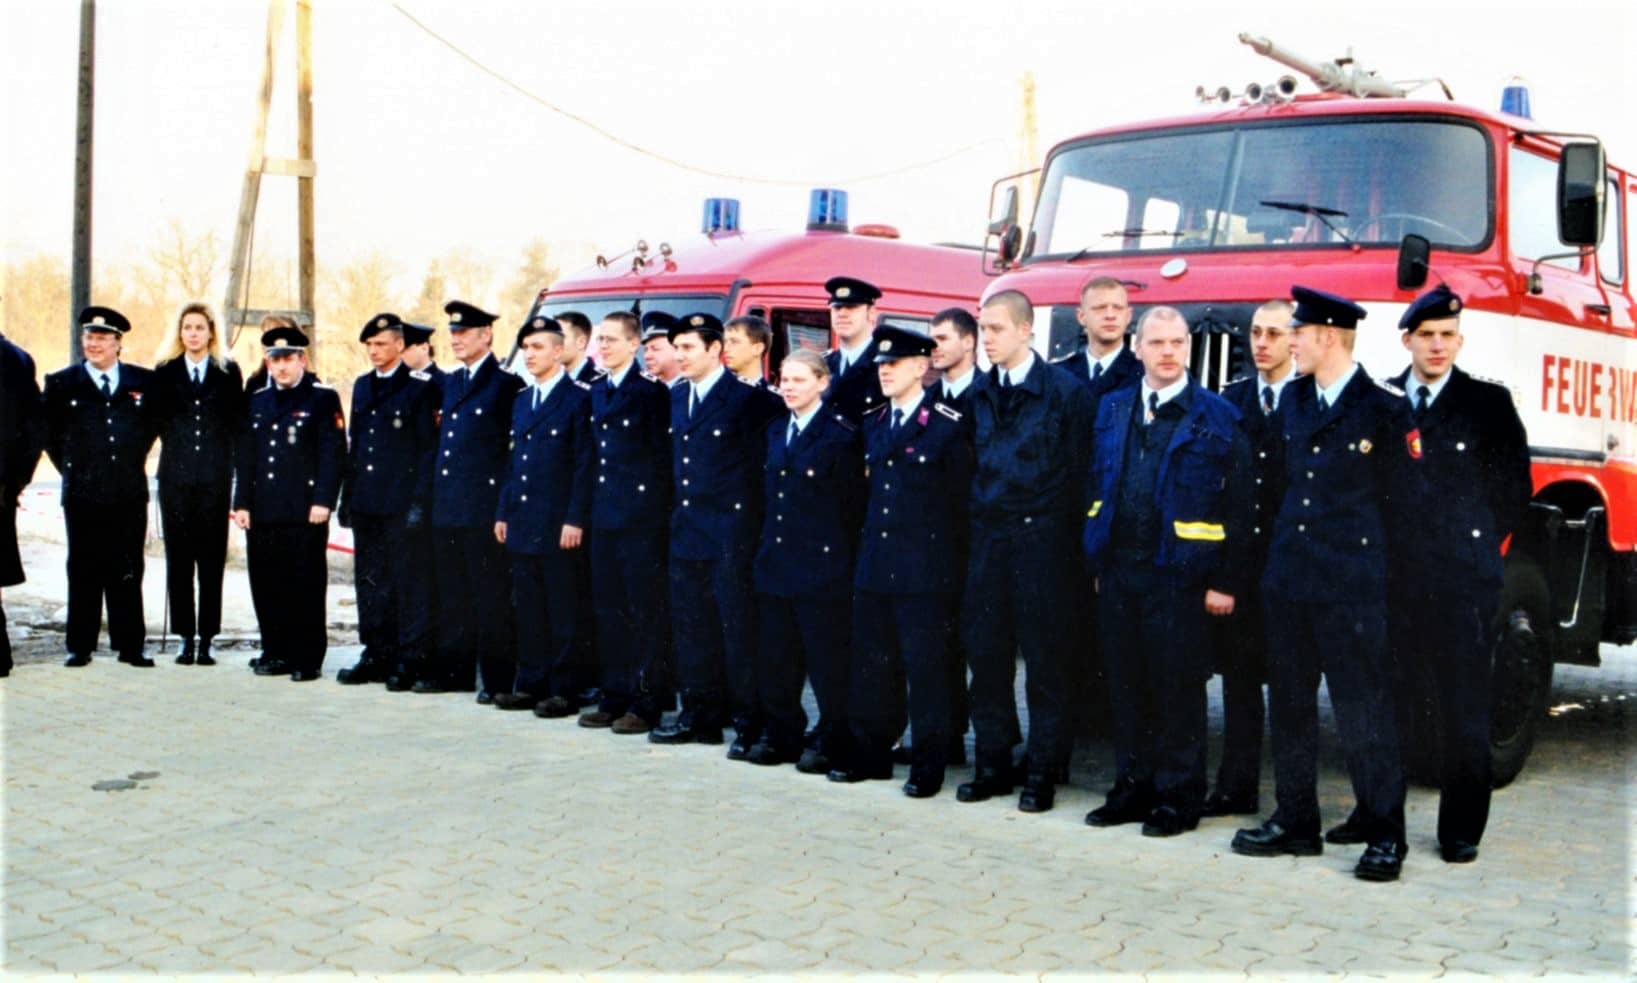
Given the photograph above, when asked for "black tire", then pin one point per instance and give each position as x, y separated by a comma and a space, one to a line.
1522, 667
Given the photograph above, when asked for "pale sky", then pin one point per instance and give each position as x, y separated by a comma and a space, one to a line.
418, 151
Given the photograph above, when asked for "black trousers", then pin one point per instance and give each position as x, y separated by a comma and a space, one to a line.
803, 638
1455, 638
419, 593
1154, 654
713, 615
630, 596
394, 616
582, 670
474, 622
289, 581
1020, 596
194, 519
546, 602
105, 561
1240, 645
901, 641
1347, 644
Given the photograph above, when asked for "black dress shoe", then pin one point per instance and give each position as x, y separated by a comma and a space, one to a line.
1272, 840
403, 682
555, 708
485, 698
77, 659
1217, 804
589, 697
924, 782
255, 660
272, 667
862, 772
185, 657
1038, 795
139, 660
1126, 803
813, 762
631, 723
597, 719
428, 686
985, 784
1168, 821
1382, 861
305, 675
1458, 852
363, 672
1351, 831
514, 701
683, 730
763, 753
203, 658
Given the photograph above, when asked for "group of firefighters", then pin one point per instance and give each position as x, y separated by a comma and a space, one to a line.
890, 524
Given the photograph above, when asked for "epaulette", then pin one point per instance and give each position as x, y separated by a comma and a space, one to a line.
1485, 378
583, 385
649, 376
418, 374
880, 411
320, 385
1237, 382
1390, 388
744, 381
1071, 356
948, 411
846, 424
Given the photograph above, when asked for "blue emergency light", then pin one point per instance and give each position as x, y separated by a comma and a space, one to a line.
1515, 99
721, 215
827, 210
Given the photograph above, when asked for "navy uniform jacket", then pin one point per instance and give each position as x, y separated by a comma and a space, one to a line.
1262, 431
1475, 455
100, 444
394, 436
814, 490
1203, 490
291, 452
199, 426
22, 424
589, 372
1033, 448
915, 520
716, 467
632, 427
472, 440
1352, 488
548, 482
1122, 372
859, 391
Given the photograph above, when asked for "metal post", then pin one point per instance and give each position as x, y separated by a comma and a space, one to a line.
79, 291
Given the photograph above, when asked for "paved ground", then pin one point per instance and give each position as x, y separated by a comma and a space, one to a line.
311, 827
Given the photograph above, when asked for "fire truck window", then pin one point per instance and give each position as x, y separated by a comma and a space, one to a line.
1532, 209
1609, 260
903, 321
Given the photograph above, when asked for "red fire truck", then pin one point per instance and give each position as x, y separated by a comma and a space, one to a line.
776, 275
1363, 189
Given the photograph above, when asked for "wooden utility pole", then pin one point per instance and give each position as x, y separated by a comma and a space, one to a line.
1028, 145
79, 291
302, 167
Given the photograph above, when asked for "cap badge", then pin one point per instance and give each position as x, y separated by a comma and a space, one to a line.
99, 319
539, 322
844, 291
886, 345
1454, 304
696, 321
380, 322
454, 317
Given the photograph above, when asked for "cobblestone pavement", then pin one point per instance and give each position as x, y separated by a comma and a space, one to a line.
287, 828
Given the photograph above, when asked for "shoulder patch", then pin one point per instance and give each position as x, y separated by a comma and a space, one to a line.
419, 374
948, 411
583, 385
1492, 382
320, 385
846, 424
1390, 388
649, 376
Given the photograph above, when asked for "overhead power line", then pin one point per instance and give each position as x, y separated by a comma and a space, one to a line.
615, 138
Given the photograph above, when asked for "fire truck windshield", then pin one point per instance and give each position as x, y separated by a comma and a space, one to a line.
596, 307
1308, 184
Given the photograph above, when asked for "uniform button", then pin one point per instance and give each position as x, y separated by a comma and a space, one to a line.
601, 479
1263, 455
603, 461
1257, 530
625, 423
737, 507
684, 460
450, 434
269, 460
778, 539
525, 498
883, 534
1307, 501
1364, 541
604, 443
642, 488
885, 510
605, 426
1310, 475
1258, 481
684, 481
886, 487
1027, 519
1476, 534
369, 467
684, 503
1315, 448
1460, 445
525, 477
826, 549
446, 472
685, 438
1301, 528
778, 518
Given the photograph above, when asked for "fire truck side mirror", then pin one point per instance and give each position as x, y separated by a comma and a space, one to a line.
1580, 188
1413, 254
1007, 219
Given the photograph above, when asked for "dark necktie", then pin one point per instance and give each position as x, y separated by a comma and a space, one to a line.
1324, 405
198, 377
1153, 407
897, 421
1005, 379
1096, 371
1267, 399
536, 399
790, 438
1421, 399
107, 390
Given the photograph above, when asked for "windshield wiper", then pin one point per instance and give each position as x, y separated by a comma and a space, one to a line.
1125, 234
1319, 212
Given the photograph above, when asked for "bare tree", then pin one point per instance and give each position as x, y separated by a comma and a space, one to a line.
187, 262
34, 307
534, 274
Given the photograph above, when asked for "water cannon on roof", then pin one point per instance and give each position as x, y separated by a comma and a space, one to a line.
1342, 75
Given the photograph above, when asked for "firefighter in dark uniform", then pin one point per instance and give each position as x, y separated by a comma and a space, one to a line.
582, 670
1352, 477
202, 403
474, 623
630, 518
1033, 437
418, 591
22, 438
855, 389
543, 513
911, 561
1476, 459
814, 490
386, 498
290, 459
102, 417
1105, 363
718, 448
1168, 516
658, 354
418, 352
1238, 641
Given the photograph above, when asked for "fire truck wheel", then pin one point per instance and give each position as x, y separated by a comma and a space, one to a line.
1522, 679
